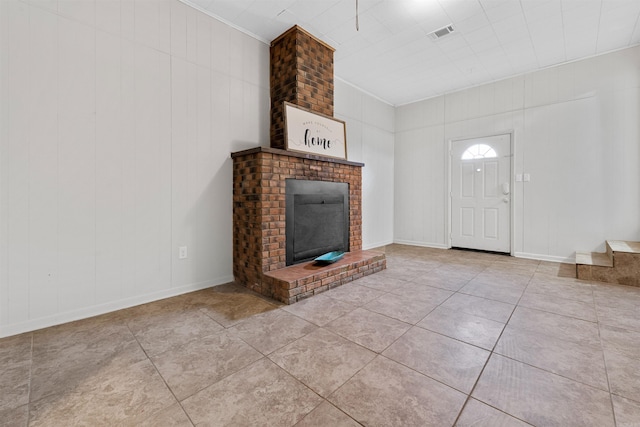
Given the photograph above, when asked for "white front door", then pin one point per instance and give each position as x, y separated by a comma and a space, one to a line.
481, 193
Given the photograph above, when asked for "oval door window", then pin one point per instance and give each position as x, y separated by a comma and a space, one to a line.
479, 151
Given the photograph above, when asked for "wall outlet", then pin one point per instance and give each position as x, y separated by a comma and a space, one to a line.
182, 252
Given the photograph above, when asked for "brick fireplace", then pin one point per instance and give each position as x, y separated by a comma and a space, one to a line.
302, 74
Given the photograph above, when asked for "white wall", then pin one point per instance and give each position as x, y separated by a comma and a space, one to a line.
117, 120
370, 140
576, 131
116, 124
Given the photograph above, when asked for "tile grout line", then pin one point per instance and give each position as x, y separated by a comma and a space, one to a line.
556, 373
266, 357
466, 401
376, 353
30, 380
491, 353
455, 339
163, 380
604, 361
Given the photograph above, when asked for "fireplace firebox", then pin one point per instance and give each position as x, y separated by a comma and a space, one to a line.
317, 219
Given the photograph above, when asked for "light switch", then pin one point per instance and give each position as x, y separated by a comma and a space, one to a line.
527, 177
518, 177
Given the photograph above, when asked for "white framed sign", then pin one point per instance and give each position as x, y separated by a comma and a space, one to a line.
314, 133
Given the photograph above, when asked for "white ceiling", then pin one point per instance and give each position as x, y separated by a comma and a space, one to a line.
392, 57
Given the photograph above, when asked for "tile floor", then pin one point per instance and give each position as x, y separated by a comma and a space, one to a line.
440, 338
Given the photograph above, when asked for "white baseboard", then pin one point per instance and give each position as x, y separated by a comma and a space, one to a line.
539, 257
422, 244
83, 313
550, 258
376, 245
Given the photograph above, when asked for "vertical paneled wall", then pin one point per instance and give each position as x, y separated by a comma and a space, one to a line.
370, 140
576, 132
117, 120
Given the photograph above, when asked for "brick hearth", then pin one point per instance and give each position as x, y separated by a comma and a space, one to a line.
307, 279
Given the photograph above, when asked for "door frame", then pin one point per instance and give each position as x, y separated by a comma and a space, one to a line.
448, 194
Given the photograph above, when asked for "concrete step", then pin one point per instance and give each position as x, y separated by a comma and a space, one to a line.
620, 264
624, 246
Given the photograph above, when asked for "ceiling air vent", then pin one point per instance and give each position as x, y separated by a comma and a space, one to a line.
440, 33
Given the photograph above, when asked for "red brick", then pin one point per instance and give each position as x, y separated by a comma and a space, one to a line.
302, 73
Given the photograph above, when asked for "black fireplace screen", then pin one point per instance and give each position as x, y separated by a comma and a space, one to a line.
317, 219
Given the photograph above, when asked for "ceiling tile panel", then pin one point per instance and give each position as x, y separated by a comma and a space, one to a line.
485, 46
580, 30
344, 33
512, 28
332, 18
393, 58
496, 61
393, 15
581, 5
479, 33
397, 41
372, 31
476, 22
460, 10
451, 42
464, 52
306, 11
541, 10
501, 9
429, 15
617, 23
582, 18
227, 10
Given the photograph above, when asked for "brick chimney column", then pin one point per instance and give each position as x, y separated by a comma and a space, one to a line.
302, 74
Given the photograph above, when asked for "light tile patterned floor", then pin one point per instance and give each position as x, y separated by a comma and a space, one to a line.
441, 338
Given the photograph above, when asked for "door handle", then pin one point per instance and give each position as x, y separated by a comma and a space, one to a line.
505, 188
